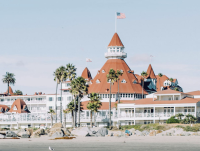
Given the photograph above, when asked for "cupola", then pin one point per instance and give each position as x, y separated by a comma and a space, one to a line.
115, 48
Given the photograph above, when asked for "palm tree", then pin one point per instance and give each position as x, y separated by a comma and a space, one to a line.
63, 77
144, 75
111, 77
90, 106
160, 76
51, 111
119, 73
57, 79
65, 112
71, 108
71, 74
71, 71
179, 115
18, 92
94, 105
9, 79
78, 88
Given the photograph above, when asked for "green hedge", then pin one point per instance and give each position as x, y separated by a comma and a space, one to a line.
172, 120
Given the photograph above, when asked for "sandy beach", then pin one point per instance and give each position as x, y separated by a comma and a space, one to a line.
139, 143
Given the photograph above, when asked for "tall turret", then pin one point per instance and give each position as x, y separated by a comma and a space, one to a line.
115, 49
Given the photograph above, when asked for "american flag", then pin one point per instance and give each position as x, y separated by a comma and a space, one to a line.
88, 60
120, 15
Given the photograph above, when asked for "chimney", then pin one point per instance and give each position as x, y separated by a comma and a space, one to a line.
40, 93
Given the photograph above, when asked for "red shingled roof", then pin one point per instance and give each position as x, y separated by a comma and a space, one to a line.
3, 108
115, 41
10, 91
103, 86
150, 72
194, 92
86, 74
20, 105
160, 83
105, 105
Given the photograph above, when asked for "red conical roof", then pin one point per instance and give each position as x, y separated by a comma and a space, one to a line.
115, 41
19, 107
130, 84
150, 72
10, 91
86, 74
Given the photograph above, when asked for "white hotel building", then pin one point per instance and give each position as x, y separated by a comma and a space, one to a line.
157, 107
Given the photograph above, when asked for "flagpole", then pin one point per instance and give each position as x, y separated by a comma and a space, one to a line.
115, 21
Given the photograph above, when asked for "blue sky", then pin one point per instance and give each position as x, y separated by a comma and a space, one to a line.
38, 36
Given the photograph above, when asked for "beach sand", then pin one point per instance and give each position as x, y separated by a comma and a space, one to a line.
137, 143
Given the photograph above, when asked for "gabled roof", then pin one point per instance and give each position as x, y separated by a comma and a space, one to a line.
160, 81
3, 108
86, 74
115, 41
10, 91
104, 86
18, 106
150, 72
194, 92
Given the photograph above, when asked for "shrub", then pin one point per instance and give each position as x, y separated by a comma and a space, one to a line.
172, 120
191, 129
179, 126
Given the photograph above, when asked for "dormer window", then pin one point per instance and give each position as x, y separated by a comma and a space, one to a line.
97, 81
15, 108
103, 71
134, 81
123, 81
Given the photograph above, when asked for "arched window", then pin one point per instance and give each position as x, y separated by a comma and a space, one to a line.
123, 81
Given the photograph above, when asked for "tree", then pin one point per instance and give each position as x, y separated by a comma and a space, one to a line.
111, 77
189, 119
65, 112
93, 106
176, 89
119, 73
179, 115
9, 79
71, 74
63, 77
57, 77
71, 108
171, 80
78, 88
144, 75
18, 92
172, 120
51, 111
160, 76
